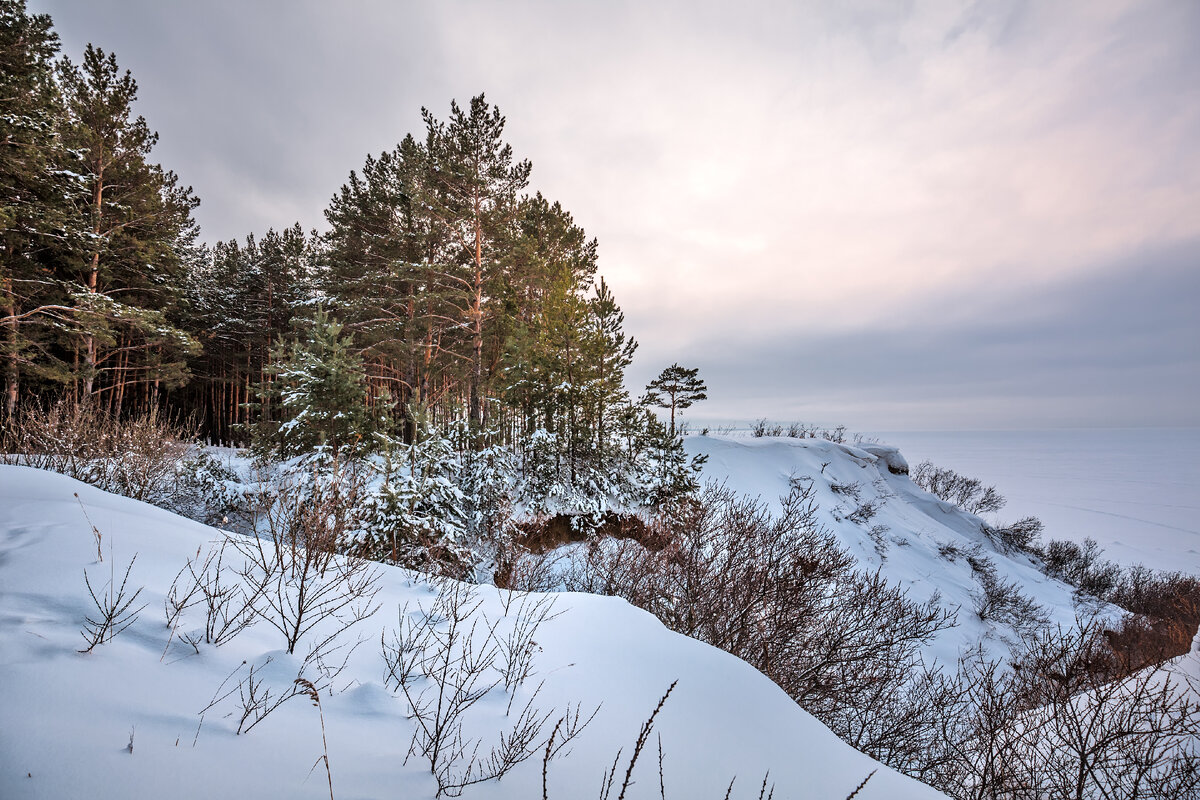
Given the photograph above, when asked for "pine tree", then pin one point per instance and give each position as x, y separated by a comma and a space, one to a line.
139, 226
240, 300
474, 195
33, 191
387, 279
613, 353
675, 387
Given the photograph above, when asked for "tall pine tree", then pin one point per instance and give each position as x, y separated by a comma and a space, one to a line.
34, 187
473, 195
139, 225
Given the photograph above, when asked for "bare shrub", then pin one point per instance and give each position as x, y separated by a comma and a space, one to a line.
1164, 606
969, 494
901, 724
257, 697
606, 785
776, 591
1082, 566
1022, 535
256, 690
1055, 723
1138, 736
878, 534
950, 551
761, 428
798, 430
220, 589
114, 608
297, 580
864, 512
981, 747
1002, 601
445, 659
852, 490
1165, 610
135, 456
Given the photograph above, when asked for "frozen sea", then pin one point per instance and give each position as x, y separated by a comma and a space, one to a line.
1135, 491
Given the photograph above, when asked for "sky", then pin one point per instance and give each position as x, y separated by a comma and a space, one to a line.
888, 215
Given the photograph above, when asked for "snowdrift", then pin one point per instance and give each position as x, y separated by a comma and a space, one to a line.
124, 720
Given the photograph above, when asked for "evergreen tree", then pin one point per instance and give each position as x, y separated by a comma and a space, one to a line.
613, 353
386, 278
34, 186
474, 195
675, 387
241, 299
139, 226
319, 385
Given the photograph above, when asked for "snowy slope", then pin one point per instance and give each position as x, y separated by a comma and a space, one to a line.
66, 718
917, 526
1135, 491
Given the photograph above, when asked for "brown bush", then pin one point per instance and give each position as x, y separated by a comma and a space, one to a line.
136, 456
780, 593
1166, 615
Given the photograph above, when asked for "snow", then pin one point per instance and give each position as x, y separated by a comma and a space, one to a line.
67, 718
917, 528
1135, 491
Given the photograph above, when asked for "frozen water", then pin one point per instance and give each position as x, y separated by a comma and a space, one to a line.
1135, 491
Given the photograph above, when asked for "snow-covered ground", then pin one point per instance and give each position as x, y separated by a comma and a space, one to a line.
919, 541
67, 719
1135, 491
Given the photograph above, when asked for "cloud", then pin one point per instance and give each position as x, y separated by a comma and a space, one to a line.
801, 170
1115, 347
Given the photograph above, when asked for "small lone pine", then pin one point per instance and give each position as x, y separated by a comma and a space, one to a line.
675, 387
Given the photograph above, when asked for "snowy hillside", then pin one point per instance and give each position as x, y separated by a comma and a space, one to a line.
1135, 491
124, 720
917, 540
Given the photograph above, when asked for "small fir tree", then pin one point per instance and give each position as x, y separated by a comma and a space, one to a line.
318, 384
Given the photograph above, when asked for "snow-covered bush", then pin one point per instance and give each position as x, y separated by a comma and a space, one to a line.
413, 510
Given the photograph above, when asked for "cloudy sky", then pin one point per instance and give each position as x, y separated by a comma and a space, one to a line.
942, 215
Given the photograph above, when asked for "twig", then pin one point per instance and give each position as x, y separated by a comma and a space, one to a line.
859, 788
641, 740
310, 690
546, 757
95, 530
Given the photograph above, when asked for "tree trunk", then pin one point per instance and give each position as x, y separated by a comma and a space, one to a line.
123, 362
12, 371
477, 343
93, 280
